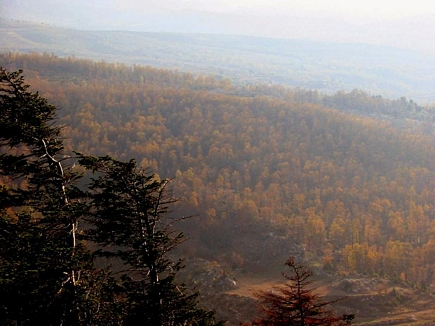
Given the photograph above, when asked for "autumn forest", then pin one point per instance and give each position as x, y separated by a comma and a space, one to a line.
352, 190
345, 181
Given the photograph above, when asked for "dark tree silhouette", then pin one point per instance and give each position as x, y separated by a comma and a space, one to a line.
129, 212
46, 273
295, 303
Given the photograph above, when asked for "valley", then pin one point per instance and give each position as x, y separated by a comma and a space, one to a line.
342, 180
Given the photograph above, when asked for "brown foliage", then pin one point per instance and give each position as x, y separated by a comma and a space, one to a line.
286, 168
295, 303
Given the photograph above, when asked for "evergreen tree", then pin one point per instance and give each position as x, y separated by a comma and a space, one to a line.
295, 303
129, 214
46, 273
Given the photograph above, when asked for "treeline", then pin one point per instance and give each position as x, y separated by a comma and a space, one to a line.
74, 70
266, 175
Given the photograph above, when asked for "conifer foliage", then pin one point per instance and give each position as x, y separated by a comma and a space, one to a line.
47, 272
295, 303
130, 218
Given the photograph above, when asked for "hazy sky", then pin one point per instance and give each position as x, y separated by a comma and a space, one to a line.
409, 24
367, 8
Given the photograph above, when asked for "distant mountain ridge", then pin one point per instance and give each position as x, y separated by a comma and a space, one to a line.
327, 67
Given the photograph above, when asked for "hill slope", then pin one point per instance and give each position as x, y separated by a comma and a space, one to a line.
266, 176
327, 67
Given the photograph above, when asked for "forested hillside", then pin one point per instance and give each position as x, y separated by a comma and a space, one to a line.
346, 180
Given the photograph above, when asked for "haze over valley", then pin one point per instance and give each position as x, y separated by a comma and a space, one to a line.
299, 130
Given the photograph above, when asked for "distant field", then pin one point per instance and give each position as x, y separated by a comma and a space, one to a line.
327, 67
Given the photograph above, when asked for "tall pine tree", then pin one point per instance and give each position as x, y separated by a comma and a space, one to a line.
130, 217
46, 274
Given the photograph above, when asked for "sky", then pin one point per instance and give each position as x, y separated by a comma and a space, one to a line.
367, 8
406, 24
